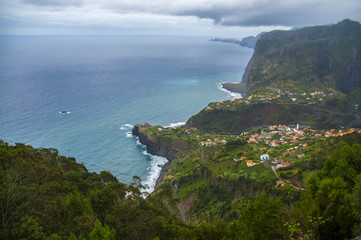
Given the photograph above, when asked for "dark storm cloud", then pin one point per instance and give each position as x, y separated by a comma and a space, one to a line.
278, 12
222, 12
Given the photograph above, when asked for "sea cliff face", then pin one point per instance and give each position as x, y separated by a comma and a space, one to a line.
153, 146
164, 146
309, 58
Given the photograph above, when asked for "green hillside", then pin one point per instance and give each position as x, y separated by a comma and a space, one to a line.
309, 59
310, 76
212, 184
44, 195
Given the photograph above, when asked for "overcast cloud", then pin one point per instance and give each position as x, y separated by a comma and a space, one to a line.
174, 15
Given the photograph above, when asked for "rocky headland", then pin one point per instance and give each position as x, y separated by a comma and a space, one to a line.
309, 77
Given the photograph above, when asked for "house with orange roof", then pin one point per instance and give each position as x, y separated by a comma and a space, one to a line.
250, 163
283, 164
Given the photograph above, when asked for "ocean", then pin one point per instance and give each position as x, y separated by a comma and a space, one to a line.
106, 85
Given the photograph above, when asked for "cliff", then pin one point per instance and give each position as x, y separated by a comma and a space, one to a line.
249, 41
311, 58
319, 67
164, 145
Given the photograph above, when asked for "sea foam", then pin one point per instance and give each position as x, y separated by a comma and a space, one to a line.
231, 95
175, 125
129, 134
155, 168
157, 162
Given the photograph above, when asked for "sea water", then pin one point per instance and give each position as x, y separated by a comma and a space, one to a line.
105, 85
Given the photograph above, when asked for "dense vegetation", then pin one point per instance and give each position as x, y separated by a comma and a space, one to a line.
44, 195
231, 117
312, 58
214, 186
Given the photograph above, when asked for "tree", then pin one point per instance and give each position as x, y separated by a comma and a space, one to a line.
332, 202
102, 233
261, 218
356, 206
27, 229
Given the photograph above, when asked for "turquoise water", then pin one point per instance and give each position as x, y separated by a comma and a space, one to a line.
108, 84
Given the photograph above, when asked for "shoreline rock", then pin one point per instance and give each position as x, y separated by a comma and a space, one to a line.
235, 88
161, 146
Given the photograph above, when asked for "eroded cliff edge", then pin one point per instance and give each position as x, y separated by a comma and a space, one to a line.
167, 146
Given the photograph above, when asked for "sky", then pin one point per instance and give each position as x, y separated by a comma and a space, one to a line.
216, 18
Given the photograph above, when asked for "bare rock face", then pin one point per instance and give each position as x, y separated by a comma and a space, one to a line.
159, 145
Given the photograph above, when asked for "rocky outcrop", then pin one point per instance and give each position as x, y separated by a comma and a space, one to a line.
153, 145
164, 146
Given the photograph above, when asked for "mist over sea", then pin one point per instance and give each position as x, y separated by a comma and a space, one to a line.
108, 84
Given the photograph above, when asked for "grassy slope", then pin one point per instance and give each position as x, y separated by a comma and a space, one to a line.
310, 58
213, 190
233, 117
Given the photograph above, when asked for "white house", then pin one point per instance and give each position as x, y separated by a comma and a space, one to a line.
264, 157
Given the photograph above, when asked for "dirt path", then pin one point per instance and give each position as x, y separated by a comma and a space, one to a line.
298, 188
179, 205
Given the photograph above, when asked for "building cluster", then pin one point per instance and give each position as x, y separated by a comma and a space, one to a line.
282, 134
278, 135
213, 142
275, 164
294, 97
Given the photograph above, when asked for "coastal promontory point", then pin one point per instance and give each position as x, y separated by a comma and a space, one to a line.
180, 120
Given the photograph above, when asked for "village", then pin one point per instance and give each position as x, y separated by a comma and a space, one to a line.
275, 145
272, 95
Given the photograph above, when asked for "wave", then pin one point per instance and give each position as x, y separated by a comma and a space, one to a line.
129, 134
157, 162
146, 153
175, 125
126, 126
155, 168
231, 95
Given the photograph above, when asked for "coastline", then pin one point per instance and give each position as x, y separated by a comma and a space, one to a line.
164, 168
232, 93
233, 88
157, 169
223, 86
162, 173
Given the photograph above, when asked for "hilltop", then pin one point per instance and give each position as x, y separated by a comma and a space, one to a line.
310, 76
311, 58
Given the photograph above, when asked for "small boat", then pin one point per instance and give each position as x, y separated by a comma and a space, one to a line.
64, 112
